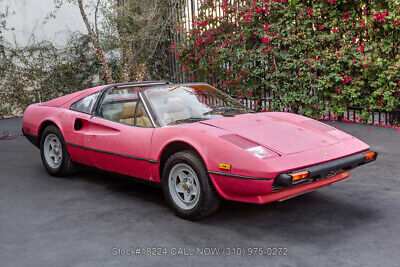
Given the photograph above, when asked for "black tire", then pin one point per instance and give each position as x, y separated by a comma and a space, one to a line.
67, 166
209, 200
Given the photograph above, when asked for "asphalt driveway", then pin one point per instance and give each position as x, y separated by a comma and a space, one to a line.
88, 218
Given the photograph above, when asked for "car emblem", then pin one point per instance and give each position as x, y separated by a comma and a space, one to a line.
325, 153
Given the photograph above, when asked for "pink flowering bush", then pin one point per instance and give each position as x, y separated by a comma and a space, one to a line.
311, 57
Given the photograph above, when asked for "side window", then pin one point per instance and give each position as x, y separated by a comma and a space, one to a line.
122, 106
119, 105
85, 105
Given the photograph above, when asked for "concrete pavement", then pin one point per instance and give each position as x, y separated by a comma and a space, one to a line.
84, 219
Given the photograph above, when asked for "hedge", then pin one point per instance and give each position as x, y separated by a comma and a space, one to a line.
311, 57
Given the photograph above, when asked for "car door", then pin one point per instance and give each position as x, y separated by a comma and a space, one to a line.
76, 119
119, 134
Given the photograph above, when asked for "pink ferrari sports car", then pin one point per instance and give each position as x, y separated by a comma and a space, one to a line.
197, 142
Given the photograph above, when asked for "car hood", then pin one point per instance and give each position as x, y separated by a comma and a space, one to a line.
279, 135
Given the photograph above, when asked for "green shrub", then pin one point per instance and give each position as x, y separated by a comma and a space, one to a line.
311, 57
45, 70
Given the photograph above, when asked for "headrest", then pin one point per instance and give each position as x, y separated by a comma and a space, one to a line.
175, 104
128, 110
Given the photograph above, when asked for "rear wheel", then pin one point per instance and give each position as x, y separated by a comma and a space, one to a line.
187, 187
54, 152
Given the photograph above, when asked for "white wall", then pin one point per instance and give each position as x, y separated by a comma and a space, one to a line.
30, 15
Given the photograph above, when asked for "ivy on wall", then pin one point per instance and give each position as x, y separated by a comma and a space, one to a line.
129, 43
46, 71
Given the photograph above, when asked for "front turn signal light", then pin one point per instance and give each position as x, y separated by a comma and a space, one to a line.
369, 155
224, 166
299, 175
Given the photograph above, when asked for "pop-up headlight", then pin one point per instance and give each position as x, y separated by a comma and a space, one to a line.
250, 146
259, 152
327, 129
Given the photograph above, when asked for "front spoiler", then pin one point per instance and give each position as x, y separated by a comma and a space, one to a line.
260, 191
301, 189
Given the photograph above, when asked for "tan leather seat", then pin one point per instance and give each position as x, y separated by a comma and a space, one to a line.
128, 113
142, 118
176, 110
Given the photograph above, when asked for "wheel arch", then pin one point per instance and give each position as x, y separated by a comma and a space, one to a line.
172, 148
43, 126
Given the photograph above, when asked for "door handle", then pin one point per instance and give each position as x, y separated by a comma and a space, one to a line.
78, 124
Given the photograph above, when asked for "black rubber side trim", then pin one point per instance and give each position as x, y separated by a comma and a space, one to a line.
112, 153
34, 139
240, 176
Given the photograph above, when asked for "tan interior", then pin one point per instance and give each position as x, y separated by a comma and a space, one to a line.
128, 115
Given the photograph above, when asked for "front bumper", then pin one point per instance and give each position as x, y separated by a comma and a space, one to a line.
323, 170
260, 191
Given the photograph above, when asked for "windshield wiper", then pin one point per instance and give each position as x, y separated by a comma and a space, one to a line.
220, 109
223, 110
188, 119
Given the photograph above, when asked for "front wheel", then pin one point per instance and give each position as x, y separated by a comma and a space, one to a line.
54, 152
188, 188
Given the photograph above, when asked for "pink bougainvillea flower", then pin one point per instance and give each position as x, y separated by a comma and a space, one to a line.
201, 24
346, 80
361, 48
380, 16
266, 26
266, 40
332, 1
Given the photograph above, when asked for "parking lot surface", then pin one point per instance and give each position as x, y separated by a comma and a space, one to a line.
89, 218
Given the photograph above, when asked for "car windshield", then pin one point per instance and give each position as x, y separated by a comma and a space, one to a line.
178, 104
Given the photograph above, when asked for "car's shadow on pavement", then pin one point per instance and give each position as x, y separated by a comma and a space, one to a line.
315, 213
123, 186
306, 217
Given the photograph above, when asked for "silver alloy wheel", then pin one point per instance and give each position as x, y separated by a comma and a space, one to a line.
52, 150
184, 186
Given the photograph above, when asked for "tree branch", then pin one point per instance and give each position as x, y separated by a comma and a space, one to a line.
97, 47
